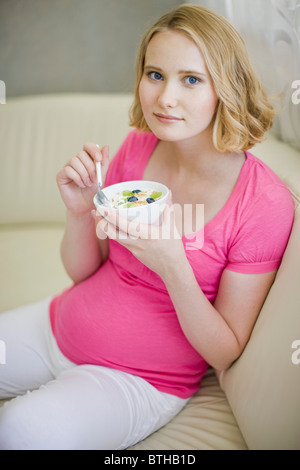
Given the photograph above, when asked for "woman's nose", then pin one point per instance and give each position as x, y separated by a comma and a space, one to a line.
168, 95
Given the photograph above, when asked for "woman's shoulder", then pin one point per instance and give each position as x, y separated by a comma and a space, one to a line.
266, 200
263, 222
264, 181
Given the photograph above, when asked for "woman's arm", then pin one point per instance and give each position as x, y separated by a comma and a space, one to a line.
81, 251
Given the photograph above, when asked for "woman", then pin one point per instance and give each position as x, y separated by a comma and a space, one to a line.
125, 348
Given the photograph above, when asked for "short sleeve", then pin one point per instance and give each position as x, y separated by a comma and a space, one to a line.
263, 232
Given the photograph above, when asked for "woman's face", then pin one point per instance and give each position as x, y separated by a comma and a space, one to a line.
176, 93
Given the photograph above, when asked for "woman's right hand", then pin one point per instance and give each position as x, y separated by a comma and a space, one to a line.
77, 181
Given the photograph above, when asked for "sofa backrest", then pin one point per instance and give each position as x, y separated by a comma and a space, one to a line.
38, 135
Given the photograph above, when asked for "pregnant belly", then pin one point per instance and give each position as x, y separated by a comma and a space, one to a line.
107, 322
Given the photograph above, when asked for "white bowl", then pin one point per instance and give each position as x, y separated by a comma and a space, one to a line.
149, 214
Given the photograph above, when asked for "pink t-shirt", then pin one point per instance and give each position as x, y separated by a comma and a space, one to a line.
122, 316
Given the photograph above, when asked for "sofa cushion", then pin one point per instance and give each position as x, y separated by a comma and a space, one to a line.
31, 267
206, 423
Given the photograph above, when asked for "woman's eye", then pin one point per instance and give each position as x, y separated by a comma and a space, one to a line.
191, 80
155, 75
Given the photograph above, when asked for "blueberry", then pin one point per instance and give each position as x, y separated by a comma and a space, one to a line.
136, 191
150, 199
132, 199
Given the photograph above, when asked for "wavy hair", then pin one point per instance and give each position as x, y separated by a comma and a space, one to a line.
243, 113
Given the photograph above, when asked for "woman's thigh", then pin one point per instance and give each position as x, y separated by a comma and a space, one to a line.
24, 333
86, 408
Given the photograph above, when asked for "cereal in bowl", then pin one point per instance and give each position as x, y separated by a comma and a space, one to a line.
135, 198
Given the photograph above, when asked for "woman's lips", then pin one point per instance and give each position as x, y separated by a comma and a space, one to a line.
167, 118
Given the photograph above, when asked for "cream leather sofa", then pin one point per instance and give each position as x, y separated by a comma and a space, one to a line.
253, 405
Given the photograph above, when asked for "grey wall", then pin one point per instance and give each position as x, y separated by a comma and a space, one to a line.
53, 46
73, 45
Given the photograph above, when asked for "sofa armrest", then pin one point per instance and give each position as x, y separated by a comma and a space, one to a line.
263, 386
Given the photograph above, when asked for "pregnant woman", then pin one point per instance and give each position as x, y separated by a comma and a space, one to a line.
112, 359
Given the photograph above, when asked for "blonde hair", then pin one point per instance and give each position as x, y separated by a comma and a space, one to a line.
243, 112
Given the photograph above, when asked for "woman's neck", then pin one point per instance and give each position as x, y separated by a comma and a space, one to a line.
192, 158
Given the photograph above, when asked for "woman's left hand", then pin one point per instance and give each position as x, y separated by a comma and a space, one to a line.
157, 246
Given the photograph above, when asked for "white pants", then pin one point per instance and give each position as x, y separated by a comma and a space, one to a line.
63, 406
